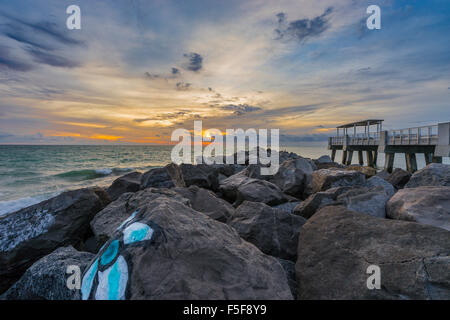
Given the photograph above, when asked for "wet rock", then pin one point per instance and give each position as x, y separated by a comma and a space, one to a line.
427, 205
168, 177
324, 179
207, 202
130, 182
336, 246
274, 232
47, 279
170, 251
434, 174
33, 232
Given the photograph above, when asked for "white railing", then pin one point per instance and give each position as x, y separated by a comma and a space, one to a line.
425, 135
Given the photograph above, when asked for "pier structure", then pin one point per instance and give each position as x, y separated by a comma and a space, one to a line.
433, 141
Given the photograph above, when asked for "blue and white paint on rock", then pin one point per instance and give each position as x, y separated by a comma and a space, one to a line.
107, 277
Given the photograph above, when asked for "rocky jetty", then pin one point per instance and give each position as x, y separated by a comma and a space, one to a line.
313, 230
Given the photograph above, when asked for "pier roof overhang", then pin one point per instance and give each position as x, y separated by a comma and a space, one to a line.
361, 123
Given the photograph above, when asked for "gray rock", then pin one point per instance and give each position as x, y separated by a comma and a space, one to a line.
259, 191
324, 159
178, 253
168, 177
33, 232
228, 187
371, 201
367, 171
434, 174
377, 181
324, 179
207, 202
47, 279
426, 205
106, 222
336, 246
287, 206
398, 178
289, 269
130, 182
318, 200
273, 231
294, 177
201, 175
383, 174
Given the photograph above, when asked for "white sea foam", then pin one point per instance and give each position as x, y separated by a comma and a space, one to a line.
17, 204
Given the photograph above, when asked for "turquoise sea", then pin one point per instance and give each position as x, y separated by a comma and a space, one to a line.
30, 174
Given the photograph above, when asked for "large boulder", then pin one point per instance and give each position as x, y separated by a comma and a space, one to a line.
207, 202
201, 175
260, 191
130, 182
294, 177
47, 278
324, 159
371, 201
168, 177
33, 232
376, 181
318, 200
324, 179
427, 205
106, 222
434, 174
287, 206
398, 178
367, 171
337, 245
228, 187
170, 251
273, 231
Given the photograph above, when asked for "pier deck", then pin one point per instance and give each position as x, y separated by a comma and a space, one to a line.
433, 141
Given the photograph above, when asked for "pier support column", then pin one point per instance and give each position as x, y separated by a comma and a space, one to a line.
389, 162
344, 156
333, 154
369, 156
375, 158
349, 157
411, 162
428, 158
360, 158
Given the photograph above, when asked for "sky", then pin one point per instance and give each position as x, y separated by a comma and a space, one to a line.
139, 69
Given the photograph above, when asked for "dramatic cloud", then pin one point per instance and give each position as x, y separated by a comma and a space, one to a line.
51, 59
194, 63
239, 109
9, 62
302, 29
39, 39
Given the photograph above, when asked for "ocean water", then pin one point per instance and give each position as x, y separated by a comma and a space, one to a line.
30, 174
